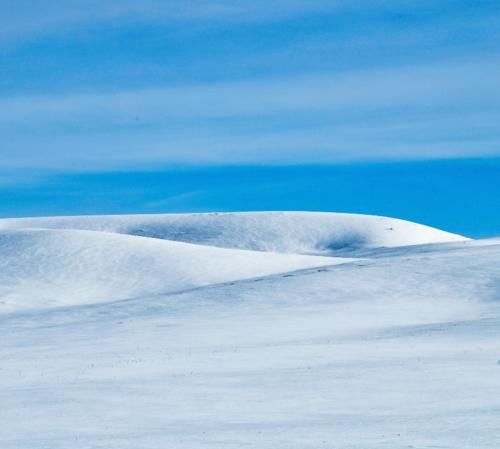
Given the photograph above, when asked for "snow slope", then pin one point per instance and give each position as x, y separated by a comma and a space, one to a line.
284, 232
391, 352
225, 348
47, 268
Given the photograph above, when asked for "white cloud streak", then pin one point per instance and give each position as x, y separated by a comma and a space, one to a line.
452, 84
454, 104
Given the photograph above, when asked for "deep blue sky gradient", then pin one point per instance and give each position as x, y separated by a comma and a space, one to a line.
462, 196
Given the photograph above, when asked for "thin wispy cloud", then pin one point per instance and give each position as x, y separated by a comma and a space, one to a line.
25, 18
28, 17
111, 85
474, 82
409, 112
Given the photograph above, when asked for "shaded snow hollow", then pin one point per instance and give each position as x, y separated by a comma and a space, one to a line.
282, 232
63, 261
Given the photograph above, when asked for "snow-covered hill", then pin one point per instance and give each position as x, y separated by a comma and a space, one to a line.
50, 268
284, 232
228, 348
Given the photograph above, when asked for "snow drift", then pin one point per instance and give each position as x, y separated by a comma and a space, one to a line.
399, 349
283, 232
43, 268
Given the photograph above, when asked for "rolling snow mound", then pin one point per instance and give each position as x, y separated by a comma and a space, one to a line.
50, 268
282, 232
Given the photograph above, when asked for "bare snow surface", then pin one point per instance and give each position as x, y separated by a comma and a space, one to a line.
47, 268
282, 232
248, 330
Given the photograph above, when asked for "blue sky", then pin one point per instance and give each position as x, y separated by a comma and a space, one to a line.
109, 90
458, 195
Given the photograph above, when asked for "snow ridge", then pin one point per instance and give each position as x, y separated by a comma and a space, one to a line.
283, 232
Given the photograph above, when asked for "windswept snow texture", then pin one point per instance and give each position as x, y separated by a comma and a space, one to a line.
282, 232
163, 344
50, 268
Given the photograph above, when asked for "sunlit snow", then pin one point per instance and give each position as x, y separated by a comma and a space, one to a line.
255, 330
